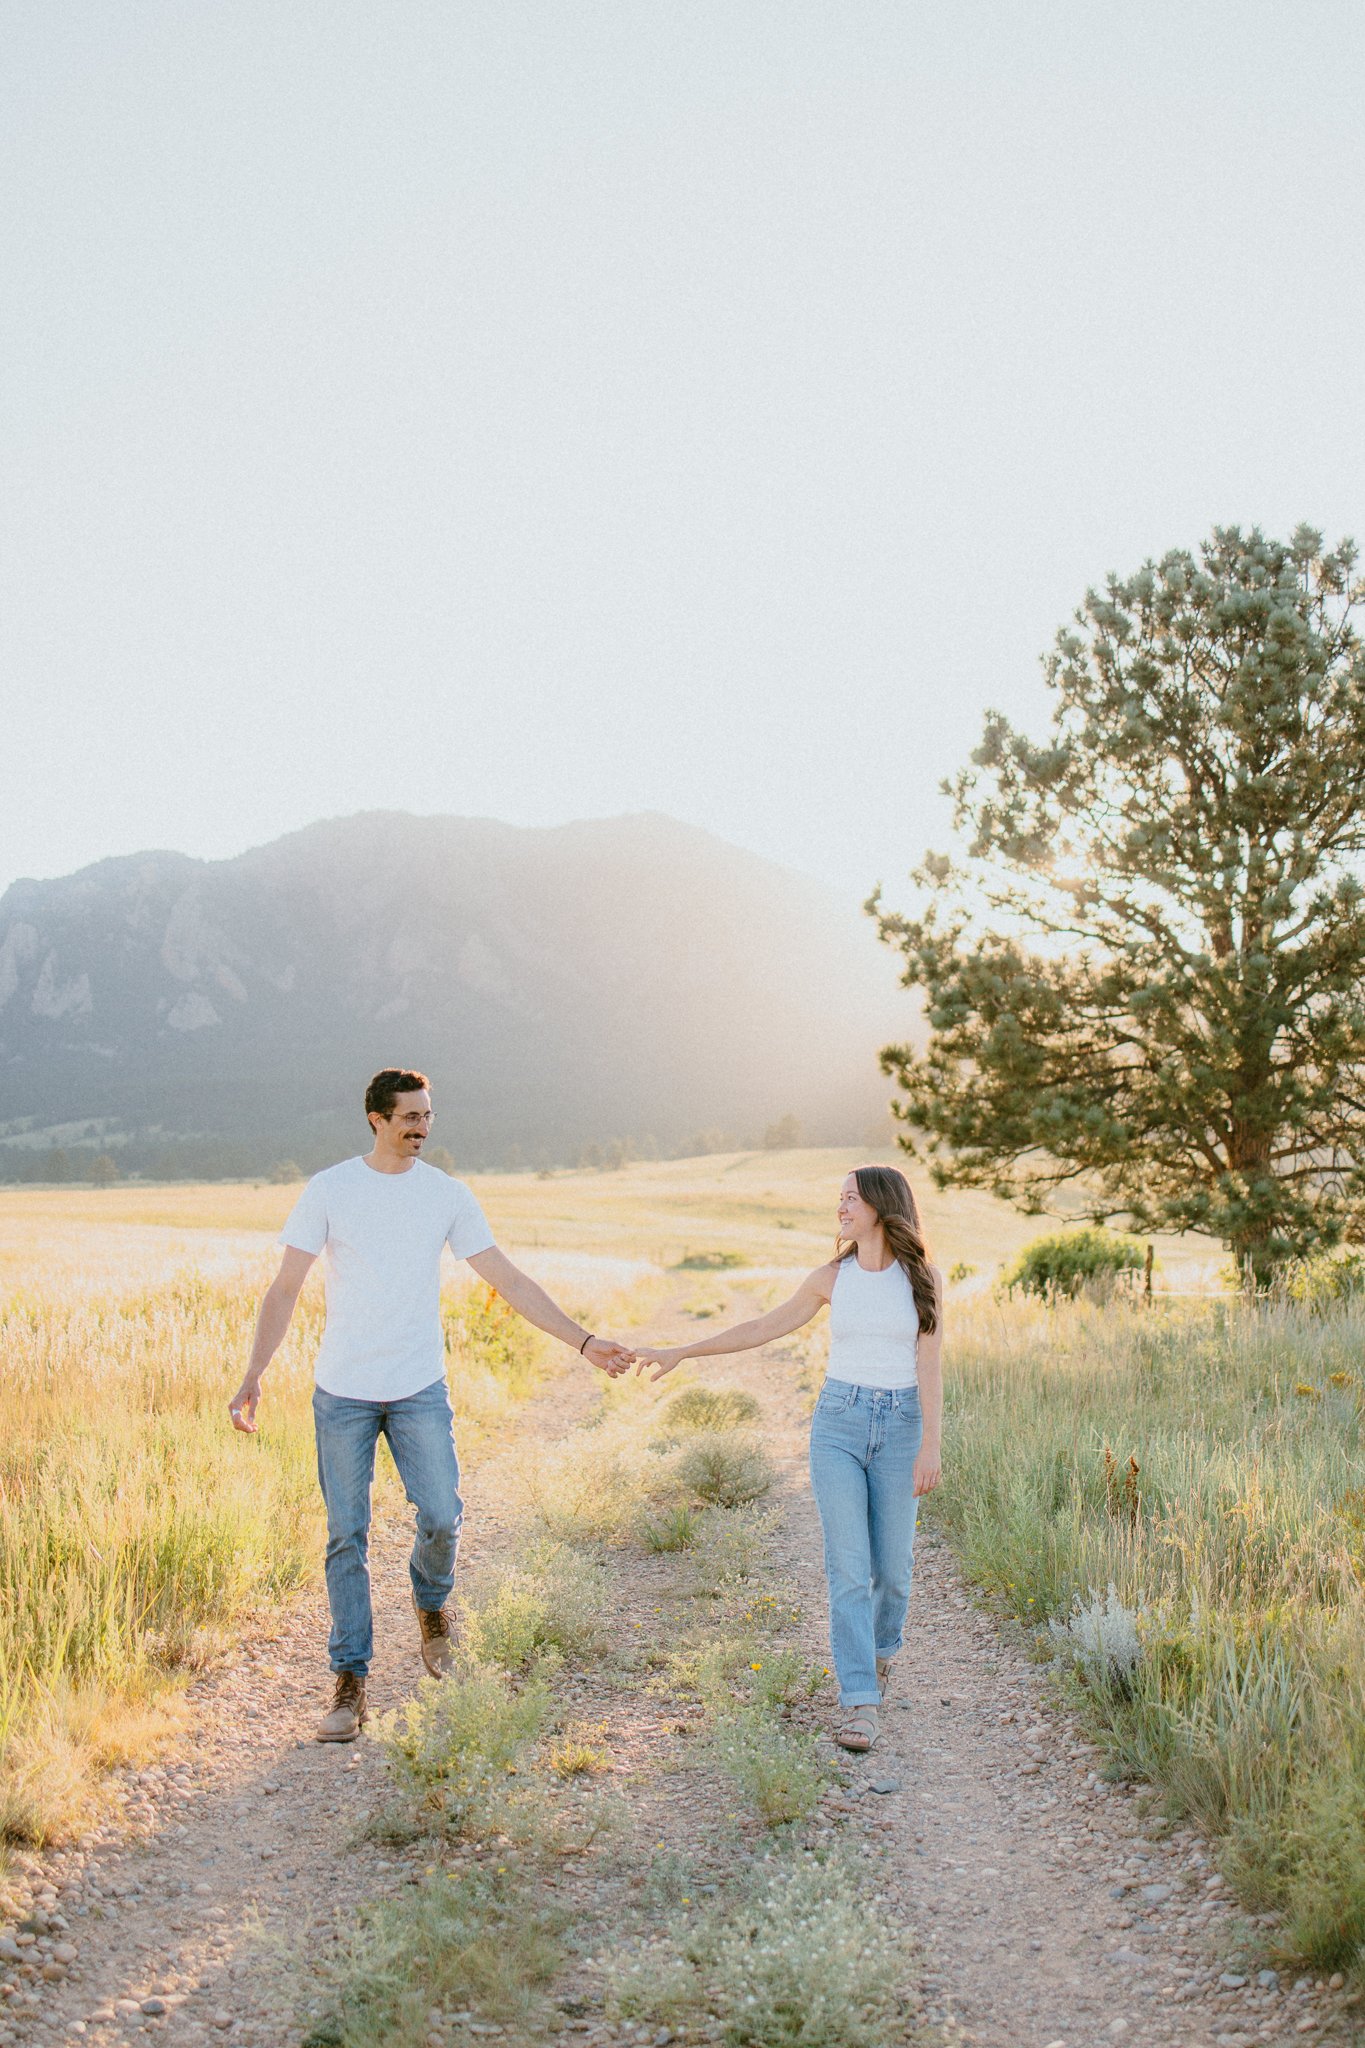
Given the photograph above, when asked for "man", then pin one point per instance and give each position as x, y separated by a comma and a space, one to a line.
380, 1221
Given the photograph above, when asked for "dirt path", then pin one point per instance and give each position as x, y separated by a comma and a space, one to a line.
1047, 1917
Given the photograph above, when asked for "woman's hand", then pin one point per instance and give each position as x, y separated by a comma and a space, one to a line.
928, 1470
662, 1361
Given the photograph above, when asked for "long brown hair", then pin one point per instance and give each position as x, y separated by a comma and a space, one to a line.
885, 1189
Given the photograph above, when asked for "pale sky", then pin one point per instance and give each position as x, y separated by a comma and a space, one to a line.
547, 411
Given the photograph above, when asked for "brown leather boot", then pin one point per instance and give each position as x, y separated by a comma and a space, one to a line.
349, 1712
438, 1650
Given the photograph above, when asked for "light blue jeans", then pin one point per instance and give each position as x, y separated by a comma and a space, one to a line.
863, 1446
421, 1437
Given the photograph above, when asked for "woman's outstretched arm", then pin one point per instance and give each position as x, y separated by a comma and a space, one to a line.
793, 1314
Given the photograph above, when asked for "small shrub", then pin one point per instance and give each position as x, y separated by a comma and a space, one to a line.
1061, 1265
697, 1408
710, 1262
551, 1604
778, 1678
775, 1767
458, 1744
598, 1486
449, 1944
1102, 1639
725, 1471
1324, 1280
732, 1548
710, 1669
800, 1960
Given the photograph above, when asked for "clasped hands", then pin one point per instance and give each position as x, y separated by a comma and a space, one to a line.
615, 1359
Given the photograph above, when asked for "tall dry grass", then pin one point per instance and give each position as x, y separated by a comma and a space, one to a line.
137, 1528
1204, 1460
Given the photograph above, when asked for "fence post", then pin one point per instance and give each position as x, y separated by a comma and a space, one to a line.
1147, 1273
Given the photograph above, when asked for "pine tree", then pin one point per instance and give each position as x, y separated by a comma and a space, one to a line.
1144, 971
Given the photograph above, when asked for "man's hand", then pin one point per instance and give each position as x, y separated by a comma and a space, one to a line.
662, 1361
928, 1471
242, 1407
610, 1358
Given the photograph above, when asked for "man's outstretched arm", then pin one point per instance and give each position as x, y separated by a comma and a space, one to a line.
529, 1299
276, 1309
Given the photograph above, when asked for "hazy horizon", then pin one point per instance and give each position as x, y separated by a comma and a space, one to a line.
549, 415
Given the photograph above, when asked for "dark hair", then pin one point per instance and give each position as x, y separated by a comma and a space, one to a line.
386, 1087
886, 1190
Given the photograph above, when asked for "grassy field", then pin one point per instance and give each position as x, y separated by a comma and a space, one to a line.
1171, 1498
771, 1209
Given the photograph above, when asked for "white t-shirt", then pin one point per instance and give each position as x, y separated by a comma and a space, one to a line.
381, 1236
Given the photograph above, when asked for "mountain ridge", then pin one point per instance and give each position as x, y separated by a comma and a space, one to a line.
600, 979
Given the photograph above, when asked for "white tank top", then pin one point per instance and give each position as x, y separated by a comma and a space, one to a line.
873, 1327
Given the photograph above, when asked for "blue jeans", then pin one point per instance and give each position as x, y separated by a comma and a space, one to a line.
422, 1439
863, 1446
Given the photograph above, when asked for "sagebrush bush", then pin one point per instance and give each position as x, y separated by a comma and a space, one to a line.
731, 1548
699, 1407
1101, 1637
725, 1471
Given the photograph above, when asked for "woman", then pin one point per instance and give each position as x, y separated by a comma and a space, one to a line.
875, 1434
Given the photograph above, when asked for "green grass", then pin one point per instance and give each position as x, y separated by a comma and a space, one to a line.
1204, 1461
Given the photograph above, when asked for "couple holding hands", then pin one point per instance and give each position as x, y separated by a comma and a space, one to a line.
380, 1222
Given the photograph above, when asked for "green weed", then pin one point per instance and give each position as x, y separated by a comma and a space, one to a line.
800, 1959
446, 1945
553, 1603
772, 1765
674, 1528
459, 1747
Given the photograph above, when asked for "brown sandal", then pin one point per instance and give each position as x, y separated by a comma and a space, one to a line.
858, 1730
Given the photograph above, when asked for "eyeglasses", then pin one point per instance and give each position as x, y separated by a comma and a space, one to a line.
412, 1117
